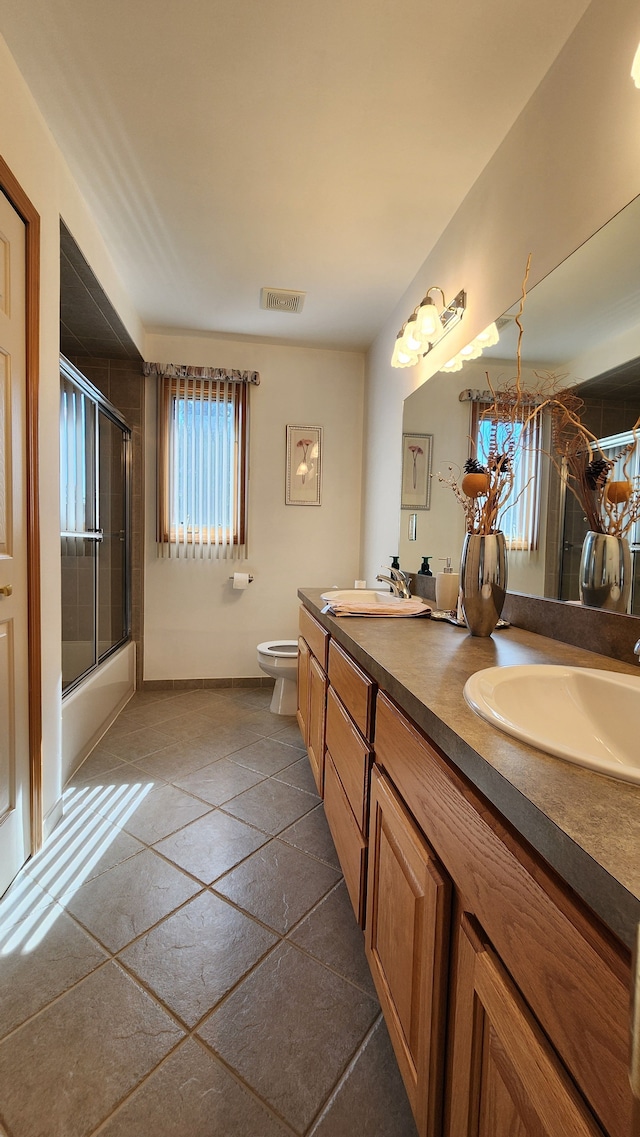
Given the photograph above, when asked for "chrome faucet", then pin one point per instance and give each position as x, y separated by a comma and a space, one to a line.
636, 650
399, 582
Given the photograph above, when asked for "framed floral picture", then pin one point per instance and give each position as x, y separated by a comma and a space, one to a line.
304, 465
416, 471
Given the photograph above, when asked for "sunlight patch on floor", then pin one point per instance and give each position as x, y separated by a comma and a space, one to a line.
72, 851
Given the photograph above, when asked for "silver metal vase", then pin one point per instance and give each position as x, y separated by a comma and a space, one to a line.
483, 580
605, 572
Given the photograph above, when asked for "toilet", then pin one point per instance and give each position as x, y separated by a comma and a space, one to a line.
279, 658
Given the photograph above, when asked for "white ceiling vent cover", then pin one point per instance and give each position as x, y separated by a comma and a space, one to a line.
282, 300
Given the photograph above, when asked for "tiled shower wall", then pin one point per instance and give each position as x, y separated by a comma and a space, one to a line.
121, 381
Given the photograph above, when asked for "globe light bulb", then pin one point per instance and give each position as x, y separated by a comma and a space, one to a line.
428, 325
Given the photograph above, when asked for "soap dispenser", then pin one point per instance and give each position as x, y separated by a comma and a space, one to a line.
395, 562
424, 569
446, 588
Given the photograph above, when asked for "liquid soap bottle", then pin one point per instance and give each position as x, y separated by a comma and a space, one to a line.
447, 583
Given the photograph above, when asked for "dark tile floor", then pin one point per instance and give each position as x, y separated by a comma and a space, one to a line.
181, 959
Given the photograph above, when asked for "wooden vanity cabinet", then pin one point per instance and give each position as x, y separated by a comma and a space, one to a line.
539, 992
407, 940
313, 652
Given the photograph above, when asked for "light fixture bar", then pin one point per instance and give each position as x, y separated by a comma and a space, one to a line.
425, 327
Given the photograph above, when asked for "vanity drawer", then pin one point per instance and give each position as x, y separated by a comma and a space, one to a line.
347, 838
316, 636
355, 688
351, 757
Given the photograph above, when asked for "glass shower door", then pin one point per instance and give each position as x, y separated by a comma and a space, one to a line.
94, 497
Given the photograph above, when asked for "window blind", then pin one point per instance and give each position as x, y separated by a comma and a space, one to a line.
202, 463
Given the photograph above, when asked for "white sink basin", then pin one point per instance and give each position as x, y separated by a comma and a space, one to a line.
586, 716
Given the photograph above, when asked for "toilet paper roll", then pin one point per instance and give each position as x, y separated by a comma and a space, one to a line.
241, 580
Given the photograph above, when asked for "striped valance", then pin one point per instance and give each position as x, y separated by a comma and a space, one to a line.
186, 371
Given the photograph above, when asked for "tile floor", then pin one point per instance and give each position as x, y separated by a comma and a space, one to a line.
181, 959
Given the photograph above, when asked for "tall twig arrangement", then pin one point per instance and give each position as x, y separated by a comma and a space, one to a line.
484, 490
610, 505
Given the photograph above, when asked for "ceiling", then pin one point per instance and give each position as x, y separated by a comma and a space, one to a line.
226, 146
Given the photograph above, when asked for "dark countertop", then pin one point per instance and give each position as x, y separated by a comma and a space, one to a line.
585, 825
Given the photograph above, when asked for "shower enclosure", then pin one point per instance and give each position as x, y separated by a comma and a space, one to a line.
95, 458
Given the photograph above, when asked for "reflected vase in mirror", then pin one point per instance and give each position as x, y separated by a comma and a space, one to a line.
483, 581
605, 572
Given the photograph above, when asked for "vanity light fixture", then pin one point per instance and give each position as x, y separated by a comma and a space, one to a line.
635, 67
472, 350
425, 327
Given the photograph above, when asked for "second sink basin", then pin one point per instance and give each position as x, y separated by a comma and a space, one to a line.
580, 714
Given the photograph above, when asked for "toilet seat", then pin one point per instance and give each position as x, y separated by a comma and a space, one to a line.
280, 649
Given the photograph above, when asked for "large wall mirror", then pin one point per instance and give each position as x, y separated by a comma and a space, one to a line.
582, 322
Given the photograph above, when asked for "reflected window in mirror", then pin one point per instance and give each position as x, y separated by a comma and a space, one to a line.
520, 520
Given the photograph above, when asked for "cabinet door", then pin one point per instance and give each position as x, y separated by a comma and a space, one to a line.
505, 1078
317, 711
406, 937
302, 713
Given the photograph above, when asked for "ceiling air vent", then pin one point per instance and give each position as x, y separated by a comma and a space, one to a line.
282, 300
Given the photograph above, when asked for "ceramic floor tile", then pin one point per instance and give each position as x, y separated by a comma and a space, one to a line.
278, 884
184, 726
210, 846
43, 957
332, 934
200, 702
290, 734
266, 756
160, 813
289, 1030
299, 775
192, 1095
222, 739
271, 805
312, 834
137, 743
219, 781
67, 861
264, 722
99, 762
24, 898
65, 1070
128, 899
179, 759
198, 954
371, 1101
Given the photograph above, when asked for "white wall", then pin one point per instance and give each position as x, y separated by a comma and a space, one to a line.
33, 157
195, 625
569, 163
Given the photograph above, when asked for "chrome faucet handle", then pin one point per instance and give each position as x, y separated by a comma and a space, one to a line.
636, 650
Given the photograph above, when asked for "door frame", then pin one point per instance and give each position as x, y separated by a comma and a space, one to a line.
24, 207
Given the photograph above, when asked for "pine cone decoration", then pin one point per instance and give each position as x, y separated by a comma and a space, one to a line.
473, 466
596, 472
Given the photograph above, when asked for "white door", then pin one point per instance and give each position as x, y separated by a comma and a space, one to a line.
15, 840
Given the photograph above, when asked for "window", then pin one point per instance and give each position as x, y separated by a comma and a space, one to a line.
202, 465
520, 518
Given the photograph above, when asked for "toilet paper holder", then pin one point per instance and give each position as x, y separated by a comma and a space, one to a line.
250, 578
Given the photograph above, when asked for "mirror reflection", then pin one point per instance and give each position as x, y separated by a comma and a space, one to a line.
581, 324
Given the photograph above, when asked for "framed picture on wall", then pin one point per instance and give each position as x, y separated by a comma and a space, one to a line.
304, 465
416, 471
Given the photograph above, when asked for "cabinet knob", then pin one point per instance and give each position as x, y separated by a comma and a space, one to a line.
6, 589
